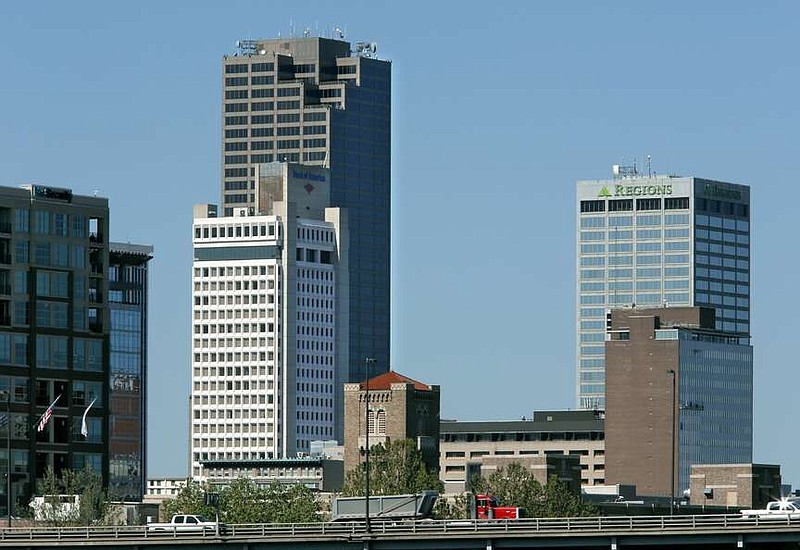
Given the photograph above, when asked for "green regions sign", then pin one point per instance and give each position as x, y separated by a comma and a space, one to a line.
636, 191
721, 192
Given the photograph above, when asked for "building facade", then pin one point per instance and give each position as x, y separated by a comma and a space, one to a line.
742, 485
311, 100
54, 334
397, 408
127, 303
466, 446
654, 241
269, 332
679, 393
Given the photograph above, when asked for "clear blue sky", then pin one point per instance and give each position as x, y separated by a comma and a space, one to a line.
498, 108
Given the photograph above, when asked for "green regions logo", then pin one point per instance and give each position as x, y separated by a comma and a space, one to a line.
636, 191
721, 192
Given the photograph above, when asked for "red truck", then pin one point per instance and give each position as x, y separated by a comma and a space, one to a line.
488, 507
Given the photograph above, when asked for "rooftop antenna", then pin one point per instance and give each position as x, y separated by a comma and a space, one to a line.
649, 173
291, 28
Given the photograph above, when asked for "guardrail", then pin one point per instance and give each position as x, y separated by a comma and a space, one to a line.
606, 525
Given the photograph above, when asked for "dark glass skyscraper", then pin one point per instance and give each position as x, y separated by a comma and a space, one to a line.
127, 303
53, 335
313, 101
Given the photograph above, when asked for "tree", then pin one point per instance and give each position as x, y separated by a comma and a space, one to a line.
455, 507
188, 501
245, 502
294, 504
395, 469
87, 485
515, 485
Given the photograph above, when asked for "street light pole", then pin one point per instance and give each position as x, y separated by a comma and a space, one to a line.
671, 372
367, 361
8, 454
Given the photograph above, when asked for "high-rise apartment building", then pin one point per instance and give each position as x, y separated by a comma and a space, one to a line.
54, 334
679, 393
270, 326
657, 241
127, 304
313, 101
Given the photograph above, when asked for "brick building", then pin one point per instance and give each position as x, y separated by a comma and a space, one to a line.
399, 408
468, 448
679, 392
745, 485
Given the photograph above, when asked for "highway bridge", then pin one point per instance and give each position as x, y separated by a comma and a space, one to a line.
685, 532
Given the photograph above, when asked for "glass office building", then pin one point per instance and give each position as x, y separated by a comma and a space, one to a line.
127, 303
314, 101
53, 334
657, 241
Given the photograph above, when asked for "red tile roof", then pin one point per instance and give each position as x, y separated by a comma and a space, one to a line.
384, 382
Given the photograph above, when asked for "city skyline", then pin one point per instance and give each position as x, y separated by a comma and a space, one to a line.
483, 309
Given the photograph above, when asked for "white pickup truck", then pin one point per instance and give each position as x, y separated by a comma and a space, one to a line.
186, 523
779, 509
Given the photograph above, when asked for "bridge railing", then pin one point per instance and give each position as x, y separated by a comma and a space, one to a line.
530, 526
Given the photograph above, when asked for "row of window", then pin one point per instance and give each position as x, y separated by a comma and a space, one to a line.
262, 106
235, 231
285, 118
622, 205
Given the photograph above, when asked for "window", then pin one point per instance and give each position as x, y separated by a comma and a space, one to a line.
261, 119
236, 107
236, 94
288, 130
263, 92
235, 159
648, 204
620, 205
287, 105
676, 203
263, 80
288, 92
235, 120
236, 81
236, 68
593, 206
262, 67
262, 105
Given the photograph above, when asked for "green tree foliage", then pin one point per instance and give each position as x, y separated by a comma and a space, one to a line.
515, 485
245, 502
455, 507
92, 502
395, 469
188, 501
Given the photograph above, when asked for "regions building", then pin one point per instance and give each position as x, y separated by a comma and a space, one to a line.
127, 303
270, 323
54, 335
656, 241
314, 101
391, 407
679, 393
477, 447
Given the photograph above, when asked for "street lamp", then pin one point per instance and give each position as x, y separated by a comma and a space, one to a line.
367, 361
7, 395
671, 373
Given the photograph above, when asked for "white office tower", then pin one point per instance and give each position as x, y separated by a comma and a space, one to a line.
657, 241
269, 329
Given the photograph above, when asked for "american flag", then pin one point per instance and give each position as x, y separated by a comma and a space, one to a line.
46, 416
